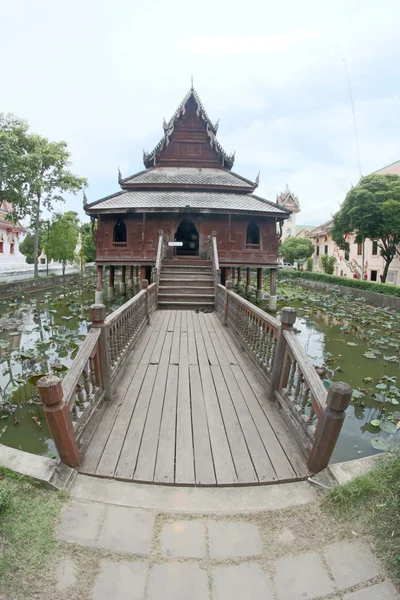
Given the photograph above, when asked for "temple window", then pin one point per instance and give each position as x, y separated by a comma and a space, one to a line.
119, 232
1, 247
253, 235
12, 246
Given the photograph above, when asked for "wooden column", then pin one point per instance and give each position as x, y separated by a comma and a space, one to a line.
130, 278
144, 285
111, 283
239, 279
142, 273
122, 285
329, 426
232, 277
59, 419
137, 275
272, 289
228, 287
99, 285
248, 281
259, 293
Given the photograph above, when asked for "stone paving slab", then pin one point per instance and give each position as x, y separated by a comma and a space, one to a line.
230, 539
127, 530
301, 577
120, 581
351, 563
380, 591
177, 581
80, 523
185, 539
245, 581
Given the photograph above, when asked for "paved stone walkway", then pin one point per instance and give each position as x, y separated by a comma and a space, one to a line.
148, 556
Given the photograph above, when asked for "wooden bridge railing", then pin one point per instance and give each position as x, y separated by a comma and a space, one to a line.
70, 404
161, 254
212, 254
314, 415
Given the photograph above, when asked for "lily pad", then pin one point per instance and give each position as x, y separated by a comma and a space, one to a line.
379, 443
369, 355
388, 427
381, 386
357, 394
351, 344
375, 422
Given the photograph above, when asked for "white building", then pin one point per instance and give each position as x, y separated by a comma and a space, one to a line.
11, 235
288, 200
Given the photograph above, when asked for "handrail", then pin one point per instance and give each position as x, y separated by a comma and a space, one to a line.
117, 313
74, 374
314, 415
212, 255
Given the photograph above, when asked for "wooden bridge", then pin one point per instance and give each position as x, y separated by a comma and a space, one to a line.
185, 397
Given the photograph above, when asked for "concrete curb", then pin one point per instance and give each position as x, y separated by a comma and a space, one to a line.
46, 470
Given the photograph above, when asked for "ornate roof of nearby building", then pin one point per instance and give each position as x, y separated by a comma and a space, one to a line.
5, 209
226, 160
171, 176
392, 169
167, 200
288, 199
321, 229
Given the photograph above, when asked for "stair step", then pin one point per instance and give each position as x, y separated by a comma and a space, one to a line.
187, 290
186, 261
186, 276
183, 305
195, 297
187, 283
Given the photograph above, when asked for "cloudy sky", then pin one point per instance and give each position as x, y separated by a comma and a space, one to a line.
102, 75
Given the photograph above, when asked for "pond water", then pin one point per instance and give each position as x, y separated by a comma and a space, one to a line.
39, 333
359, 344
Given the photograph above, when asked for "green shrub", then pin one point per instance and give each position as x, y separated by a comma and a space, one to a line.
328, 263
5, 495
369, 286
309, 264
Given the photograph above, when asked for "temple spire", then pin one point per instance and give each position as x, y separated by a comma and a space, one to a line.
191, 87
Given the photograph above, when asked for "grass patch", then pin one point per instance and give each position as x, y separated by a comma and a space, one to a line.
27, 545
372, 501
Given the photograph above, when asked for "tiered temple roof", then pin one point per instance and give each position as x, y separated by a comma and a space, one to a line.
188, 169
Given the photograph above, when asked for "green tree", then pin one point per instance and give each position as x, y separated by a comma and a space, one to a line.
372, 210
296, 249
27, 247
34, 173
328, 263
88, 244
64, 231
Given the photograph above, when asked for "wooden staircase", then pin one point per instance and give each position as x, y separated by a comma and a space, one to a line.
186, 284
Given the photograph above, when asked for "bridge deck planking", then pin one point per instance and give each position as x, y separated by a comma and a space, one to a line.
190, 410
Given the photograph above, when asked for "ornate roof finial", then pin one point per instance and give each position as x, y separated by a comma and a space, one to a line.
258, 179
191, 87
84, 198
216, 126
119, 175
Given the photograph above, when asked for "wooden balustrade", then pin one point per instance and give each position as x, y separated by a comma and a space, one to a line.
313, 414
69, 405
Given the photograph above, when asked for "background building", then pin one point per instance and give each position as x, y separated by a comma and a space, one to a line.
11, 234
289, 201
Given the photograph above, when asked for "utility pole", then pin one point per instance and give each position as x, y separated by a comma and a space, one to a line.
47, 249
363, 258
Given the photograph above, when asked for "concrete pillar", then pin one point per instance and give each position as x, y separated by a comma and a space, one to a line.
259, 294
137, 275
122, 285
248, 281
239, 279
233, 275
98, 296
142, 274
130, 278
272, 290
111, 284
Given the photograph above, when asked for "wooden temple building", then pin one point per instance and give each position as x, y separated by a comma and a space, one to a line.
188, 192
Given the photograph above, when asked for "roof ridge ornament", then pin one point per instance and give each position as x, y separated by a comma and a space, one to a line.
85, 200
119, 175
258, 179
191, 87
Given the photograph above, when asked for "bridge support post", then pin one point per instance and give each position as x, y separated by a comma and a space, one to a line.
259, 293
98, 296
239, 279
111, 284
59, 419
248, 281
145, 285
130, 278
329, 426
228, 286
122, 285
288, 319
97, 316
272, 290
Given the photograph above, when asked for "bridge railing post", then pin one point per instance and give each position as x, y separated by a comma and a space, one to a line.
329, 426
228, 286
288, 319
97, 316
145, 285
59, 419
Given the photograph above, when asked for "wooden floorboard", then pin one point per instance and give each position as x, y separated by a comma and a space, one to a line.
190, 409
